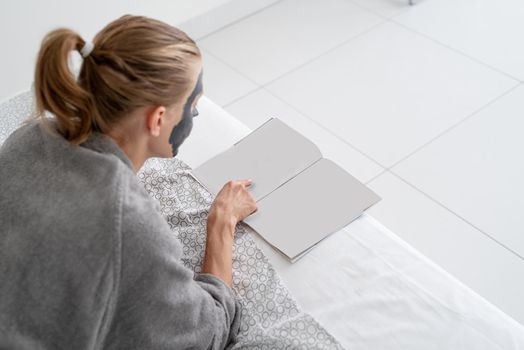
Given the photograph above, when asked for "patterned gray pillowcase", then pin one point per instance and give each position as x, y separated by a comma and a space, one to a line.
14, 111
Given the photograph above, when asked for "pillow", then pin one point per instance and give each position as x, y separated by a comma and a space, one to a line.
14, 111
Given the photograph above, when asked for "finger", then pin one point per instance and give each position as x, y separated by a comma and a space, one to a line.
247, 182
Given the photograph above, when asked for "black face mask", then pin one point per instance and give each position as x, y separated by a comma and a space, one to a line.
182, 130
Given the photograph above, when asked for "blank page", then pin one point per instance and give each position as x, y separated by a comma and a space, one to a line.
319, 201
270, 155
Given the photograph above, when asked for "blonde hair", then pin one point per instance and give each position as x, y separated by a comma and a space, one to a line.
136, 61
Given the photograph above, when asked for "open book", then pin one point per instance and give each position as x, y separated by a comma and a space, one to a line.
301, 196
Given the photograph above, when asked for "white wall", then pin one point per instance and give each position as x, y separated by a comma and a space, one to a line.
24, 23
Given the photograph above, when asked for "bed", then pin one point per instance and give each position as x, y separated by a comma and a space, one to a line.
365, 286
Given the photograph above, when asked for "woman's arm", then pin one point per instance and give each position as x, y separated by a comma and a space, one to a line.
219, 246
232, 204
159, 303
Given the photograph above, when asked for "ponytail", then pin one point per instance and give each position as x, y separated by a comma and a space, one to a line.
56, 88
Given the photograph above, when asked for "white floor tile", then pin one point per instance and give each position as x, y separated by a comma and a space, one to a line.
386, 8
389, 91
221, 83
287, 34
221, 16
256, 108
491, 31
477, 170
476, 260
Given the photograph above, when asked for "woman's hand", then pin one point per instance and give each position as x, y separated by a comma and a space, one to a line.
233, 201
232, 204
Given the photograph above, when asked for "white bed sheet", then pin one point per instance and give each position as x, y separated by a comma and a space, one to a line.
365, 285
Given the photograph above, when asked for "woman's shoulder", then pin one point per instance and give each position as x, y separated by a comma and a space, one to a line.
75, 187
142, 221
29, 126
90, 191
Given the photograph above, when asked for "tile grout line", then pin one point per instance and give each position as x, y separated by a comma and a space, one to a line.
393, 19
458, 123
386, 17
236, 99
358, 35
238, 20
454, 213
226, 105
376, 176
456, 51
391, 171
383, 21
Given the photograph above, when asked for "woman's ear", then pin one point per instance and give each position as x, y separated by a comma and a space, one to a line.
155, 120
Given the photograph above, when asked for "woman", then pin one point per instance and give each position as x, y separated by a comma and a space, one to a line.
86, 259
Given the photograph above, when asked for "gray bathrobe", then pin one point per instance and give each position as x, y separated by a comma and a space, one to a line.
88, 262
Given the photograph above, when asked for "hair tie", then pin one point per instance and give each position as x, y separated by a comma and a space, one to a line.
86, 50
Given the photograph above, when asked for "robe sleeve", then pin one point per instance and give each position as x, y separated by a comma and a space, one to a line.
160, 303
